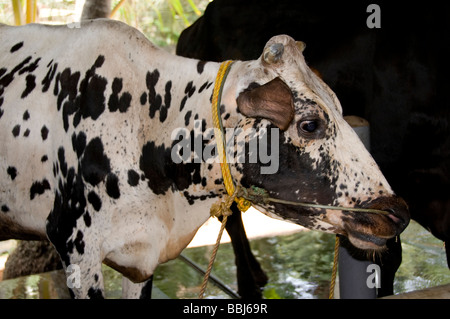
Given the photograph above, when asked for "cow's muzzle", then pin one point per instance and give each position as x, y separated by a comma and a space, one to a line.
371, 231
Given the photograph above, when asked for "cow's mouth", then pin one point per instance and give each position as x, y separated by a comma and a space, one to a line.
367, 231
366, 241
371, 231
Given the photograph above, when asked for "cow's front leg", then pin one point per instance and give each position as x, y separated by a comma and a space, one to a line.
131, 290
81, 258
84, 274
85, 279
83, 267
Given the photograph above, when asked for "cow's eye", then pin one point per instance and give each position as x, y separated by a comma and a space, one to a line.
311, 128
308, 126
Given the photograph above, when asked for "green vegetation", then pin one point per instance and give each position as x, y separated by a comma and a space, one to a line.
161, 21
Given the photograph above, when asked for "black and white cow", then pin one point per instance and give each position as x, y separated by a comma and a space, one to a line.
394, 76
87, 116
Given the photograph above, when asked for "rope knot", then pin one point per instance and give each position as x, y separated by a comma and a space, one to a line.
243, 203
222, 208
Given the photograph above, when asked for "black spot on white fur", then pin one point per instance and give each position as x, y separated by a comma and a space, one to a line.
189, 91
201, 66
12, 172
38, 188
86, 100
112, 186
16, 47
115, 102
162, 173
155, 100
44, 132
95, 200
16, 130
133, 178
95, 164
26, 115
30, 85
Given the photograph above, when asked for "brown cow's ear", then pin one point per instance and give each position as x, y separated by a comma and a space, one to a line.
272, 101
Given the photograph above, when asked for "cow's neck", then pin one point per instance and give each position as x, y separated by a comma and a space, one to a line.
190, 111
196, 185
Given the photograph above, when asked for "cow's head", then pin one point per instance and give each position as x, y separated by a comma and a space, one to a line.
321, 159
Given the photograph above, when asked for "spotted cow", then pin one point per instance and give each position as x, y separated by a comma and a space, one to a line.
87, 116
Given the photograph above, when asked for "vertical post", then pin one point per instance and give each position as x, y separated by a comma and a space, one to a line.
17, 8
30, 11
353, 273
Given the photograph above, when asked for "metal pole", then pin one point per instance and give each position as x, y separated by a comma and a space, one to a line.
353, 273
216, 281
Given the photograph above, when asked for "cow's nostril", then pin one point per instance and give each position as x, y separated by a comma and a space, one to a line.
396, 208
393, 216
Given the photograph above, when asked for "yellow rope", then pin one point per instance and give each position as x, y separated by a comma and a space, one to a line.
222, 208
335, 266
243, 204
217, 210
212, 259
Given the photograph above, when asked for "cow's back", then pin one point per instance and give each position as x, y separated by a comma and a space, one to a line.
55, 97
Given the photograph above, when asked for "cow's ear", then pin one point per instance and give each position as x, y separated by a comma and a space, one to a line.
272, 101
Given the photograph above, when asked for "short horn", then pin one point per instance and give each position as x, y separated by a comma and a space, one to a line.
273, 53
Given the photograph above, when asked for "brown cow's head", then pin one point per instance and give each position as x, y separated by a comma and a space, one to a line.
320, 158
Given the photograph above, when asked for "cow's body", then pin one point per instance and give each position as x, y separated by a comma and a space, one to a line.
86, 117
77, 172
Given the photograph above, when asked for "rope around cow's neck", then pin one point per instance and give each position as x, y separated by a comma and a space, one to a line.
223, 208
244, 197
